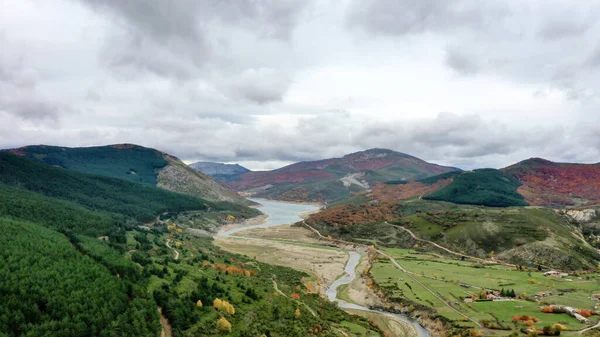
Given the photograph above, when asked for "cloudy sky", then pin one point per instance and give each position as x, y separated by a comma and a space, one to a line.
269, 82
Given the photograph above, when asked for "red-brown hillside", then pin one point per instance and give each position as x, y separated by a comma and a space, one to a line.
547, 183
334, 178
391, 192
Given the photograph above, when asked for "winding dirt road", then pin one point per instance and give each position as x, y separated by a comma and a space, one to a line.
174, 250
478, 259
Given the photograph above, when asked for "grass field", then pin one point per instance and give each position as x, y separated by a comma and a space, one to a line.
453, 280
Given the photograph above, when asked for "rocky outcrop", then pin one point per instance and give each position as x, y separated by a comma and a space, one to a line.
178, 177
581, 216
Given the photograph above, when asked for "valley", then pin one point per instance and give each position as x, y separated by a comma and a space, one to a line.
462, 253
326, 263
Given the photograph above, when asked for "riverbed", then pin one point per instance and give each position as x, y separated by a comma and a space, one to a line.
285, 213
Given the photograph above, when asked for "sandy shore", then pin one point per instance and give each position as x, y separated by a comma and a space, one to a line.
282, 232
257, 220
326, 265
305, 215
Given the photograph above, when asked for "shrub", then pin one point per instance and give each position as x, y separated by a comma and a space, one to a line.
223, 325
548, 309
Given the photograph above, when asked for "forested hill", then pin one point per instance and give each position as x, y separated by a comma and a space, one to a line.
129, 162
488, 187
134, 163
58, 278
97, 193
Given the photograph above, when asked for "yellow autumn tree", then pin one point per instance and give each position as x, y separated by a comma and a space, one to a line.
199, 304
223, 325
230, 218
297, 314
309, 287
171, 228
223, 306
179, 230
177, 244
228, 308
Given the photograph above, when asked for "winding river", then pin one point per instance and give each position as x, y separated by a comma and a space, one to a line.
282, 213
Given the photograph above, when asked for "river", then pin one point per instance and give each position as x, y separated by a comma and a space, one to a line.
283, 213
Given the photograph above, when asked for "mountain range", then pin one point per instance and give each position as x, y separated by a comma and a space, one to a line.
375, 174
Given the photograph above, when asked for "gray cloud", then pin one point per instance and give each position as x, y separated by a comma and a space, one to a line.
458, 61
594, 59
19, 95
263, 85
563, 27
402, 17
176, 39
562, 20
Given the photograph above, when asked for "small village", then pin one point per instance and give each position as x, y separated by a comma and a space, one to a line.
581, 315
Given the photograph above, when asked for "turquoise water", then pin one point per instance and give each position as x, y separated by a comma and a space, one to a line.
279, 213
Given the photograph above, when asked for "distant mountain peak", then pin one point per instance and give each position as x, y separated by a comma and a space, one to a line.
212, 169
377, 152
537, 160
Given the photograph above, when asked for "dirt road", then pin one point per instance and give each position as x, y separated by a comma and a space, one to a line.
174, 250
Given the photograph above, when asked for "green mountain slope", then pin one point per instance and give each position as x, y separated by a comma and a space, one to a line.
94, 192
487, 187
129, 162
134, 163
49, 289
55, 213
